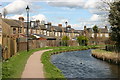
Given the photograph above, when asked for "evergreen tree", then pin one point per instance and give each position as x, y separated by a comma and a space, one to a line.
114, 19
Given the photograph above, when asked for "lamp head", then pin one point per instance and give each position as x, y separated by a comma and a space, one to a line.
27, 8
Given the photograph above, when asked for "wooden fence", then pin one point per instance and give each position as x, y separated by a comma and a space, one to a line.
13, 45
9, 47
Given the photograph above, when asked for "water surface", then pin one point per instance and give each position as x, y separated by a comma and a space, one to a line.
80, 64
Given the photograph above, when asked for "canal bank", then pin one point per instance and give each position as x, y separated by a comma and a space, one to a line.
108, 56
80, 64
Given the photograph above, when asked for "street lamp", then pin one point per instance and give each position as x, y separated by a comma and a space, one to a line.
66, 23
66, 27
27, 9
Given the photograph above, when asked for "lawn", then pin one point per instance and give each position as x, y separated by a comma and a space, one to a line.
14, 67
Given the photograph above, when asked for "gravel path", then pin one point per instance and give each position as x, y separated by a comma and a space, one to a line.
34, 67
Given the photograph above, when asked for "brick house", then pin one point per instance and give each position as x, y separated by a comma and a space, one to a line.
11, 30
102, 35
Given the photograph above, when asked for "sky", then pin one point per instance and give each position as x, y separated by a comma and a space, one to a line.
77, 13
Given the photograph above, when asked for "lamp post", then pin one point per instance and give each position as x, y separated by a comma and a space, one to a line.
66, 23
27, 9
66, 27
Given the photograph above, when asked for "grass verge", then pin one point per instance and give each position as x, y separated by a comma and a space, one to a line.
108, 56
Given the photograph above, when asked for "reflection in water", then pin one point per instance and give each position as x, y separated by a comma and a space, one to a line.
80, 64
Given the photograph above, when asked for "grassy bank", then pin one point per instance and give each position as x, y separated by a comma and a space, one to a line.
52, 71
108, 56
14, 67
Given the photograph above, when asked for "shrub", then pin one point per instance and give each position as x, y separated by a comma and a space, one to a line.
82, 40
65, 40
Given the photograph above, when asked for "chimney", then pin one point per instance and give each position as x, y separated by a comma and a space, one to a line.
69, 26
84, 27
105, 27
21, 19
0, 15
49, 23
60, 25
22, 24
38, 22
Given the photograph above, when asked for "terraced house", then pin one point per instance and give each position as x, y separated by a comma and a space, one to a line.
13, 32
102, 35
13, 35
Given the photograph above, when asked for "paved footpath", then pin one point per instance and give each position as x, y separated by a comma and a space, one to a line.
34, 67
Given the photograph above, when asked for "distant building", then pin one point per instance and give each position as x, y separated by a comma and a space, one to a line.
102, 35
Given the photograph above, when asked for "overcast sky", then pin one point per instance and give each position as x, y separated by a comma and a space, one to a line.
77, 12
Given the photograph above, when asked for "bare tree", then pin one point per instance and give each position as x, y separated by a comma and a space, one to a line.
4, 12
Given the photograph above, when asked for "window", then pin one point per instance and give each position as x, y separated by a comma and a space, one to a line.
100, 35
106, 35
19, 30
92, 35
14, 30
0, 30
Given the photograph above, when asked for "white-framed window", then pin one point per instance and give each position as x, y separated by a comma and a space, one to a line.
55, 33
97, 35
59, 33
106, 35
44, 32
101, 35
47, 33
93, 35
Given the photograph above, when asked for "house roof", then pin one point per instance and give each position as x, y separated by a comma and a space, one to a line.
42, 27
57, 28
12, 23
103, 30
78, 31
48, 28
89, 30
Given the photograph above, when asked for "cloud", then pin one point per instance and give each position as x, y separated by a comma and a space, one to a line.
95, 17
78, 26
17, 17
16, 7
75, 3
63, 21
39, 17
19, 7
67, 3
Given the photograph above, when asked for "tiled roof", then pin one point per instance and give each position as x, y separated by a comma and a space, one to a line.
42, 27
57, 28
48, 28
103, 30
12, 23
89, 30
78, 31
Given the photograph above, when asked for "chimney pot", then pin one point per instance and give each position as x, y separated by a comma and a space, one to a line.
50, 23
60, 25
21, 18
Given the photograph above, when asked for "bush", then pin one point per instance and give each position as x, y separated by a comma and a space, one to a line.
82, 40
65, 40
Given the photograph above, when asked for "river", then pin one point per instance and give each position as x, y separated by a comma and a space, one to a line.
80, 64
